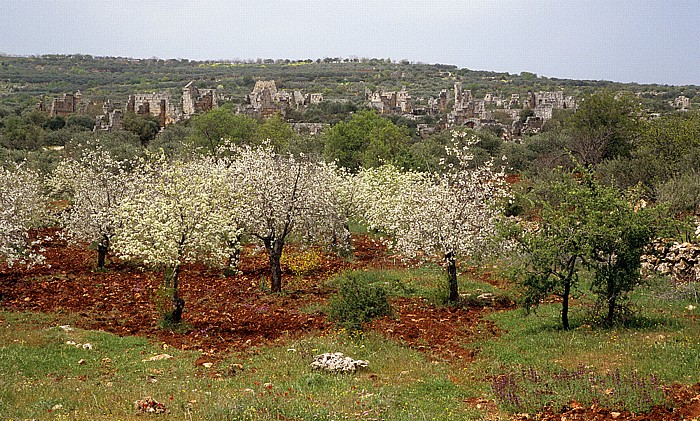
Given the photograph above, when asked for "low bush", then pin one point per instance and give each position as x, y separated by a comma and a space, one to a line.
361, 297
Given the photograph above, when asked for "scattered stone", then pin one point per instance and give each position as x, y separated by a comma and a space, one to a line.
81, 362
57, 407
71, 343
66, 328
87, 346
234, 369
337, 362
149, 405
158, 357
207, 365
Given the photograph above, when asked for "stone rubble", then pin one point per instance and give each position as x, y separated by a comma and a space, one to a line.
337, 362
678, 260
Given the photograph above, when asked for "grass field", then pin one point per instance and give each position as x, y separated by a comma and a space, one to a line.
50, 372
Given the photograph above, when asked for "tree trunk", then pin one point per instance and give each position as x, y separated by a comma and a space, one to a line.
102, 249
610, 317
565, 304
452, 276
274, 252
172, 277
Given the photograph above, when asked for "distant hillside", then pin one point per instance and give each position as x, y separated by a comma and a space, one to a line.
24, 79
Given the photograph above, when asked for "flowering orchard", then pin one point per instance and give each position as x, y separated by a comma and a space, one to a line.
286, 197
21, 208
180, 213
96, 184
449, 215
165, 214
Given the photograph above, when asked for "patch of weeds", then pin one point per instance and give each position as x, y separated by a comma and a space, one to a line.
530, 390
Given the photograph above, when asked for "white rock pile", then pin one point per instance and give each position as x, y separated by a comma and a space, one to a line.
337, 362
679, 260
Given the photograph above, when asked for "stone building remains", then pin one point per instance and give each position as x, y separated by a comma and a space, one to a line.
265, 100
157, 104
64, 106
681, 102
196, 100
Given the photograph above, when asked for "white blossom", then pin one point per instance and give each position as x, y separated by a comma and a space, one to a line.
284, 197
96, 184
182, 212
22, 207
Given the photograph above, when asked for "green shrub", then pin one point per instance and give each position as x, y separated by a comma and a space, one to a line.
361, 297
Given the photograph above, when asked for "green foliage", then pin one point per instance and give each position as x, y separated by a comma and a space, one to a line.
367, 140
19, 133
681, 192
146, 127
361, 297
210, 129
277, 131
576, 221
81, 121
605, 126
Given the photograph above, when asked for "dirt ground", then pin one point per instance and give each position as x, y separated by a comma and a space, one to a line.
235, 313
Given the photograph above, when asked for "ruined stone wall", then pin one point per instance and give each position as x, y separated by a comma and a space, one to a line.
681, 261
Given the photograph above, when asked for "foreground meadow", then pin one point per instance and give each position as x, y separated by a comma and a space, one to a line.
76, 343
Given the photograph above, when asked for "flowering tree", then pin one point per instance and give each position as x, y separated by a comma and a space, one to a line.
285, 196
182, 213
450, 214
96, 183
21, 208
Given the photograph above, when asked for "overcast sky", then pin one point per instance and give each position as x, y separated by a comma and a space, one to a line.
645, 41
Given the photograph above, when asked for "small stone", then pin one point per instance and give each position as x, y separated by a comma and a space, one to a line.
208, 365
81, 362
87, 346
158, 357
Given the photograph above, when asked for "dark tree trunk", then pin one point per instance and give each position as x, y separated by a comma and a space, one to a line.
102, 249
274, 251
452, 276
172, 277
565, 305
610, 317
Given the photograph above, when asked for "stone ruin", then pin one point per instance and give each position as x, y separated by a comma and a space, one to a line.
681, 102
265, 100
196, 100
111, 118
386, 102
157, 104
63, 107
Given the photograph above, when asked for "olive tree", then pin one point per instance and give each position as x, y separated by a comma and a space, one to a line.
572, 222
182, 212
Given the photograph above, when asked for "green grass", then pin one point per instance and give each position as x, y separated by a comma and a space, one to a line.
41, 377
659, 339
